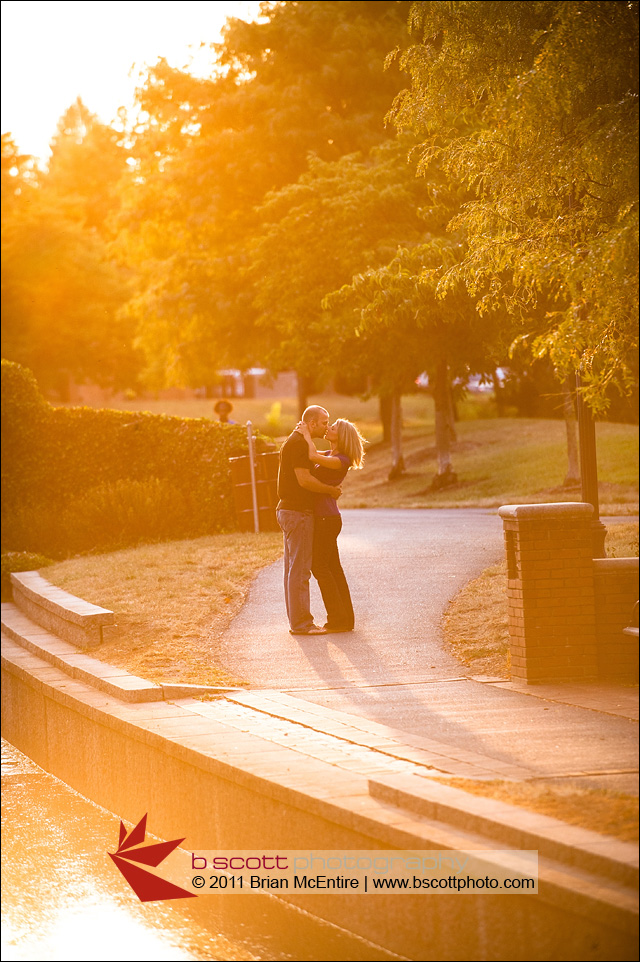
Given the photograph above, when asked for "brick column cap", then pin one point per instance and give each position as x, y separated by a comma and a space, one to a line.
538, 512
616, 564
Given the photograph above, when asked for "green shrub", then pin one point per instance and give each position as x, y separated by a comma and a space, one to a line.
68, 469
19, 561
125, 513
107, 517
24, 413
32, 528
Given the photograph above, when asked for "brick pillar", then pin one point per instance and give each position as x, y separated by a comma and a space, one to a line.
552, 625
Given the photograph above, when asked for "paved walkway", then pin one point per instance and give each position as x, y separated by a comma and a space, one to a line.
403, 567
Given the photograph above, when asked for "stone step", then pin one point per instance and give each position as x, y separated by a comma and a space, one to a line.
514, 827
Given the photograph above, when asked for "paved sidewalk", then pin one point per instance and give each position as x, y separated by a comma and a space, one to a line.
403, 567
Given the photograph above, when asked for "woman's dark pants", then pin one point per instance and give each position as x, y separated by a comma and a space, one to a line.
328, 572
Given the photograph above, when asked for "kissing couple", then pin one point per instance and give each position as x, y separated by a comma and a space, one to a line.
309, 485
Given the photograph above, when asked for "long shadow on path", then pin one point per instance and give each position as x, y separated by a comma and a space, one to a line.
403, 567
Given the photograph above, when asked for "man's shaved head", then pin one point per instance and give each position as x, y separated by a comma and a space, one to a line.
314, 413
317, 420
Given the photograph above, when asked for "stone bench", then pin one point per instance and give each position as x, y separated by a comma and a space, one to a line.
77, 621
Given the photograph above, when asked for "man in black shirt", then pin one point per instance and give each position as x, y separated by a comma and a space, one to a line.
296, 488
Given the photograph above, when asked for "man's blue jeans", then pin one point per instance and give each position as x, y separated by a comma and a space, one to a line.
297, 528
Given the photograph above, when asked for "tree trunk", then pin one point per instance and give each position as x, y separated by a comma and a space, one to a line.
385, 406
573, 471
64, 386
397, 461
452, 415
441, 396
499, 395
303, 392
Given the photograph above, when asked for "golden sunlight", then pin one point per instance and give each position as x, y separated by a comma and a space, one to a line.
53, 53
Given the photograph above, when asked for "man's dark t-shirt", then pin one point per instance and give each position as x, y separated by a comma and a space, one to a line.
293, 454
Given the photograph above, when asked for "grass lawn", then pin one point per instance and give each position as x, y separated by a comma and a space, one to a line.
498, 460
172, 600
475, 624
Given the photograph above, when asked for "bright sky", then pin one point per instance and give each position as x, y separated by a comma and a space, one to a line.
53, 53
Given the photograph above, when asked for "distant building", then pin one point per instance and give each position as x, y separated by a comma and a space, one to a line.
256, 382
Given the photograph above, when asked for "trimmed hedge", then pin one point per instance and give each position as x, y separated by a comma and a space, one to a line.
66, 469
24, 414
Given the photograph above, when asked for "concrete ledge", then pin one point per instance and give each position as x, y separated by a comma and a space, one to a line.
604, 565
73, 619
514, 827
538, 512
65, 657
60, 602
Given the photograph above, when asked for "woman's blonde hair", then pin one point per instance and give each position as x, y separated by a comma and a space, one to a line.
351, 442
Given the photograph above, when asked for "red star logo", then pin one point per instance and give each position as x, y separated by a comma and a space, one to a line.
147, 886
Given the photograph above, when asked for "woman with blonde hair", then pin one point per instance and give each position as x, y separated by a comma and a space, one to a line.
347, 451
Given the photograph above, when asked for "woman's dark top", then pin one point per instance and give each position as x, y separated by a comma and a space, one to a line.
324, 505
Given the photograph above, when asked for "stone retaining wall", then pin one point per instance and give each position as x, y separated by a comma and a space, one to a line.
224, 788
130, 769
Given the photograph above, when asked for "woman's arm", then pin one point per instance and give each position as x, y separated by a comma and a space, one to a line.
307, 480
326, 460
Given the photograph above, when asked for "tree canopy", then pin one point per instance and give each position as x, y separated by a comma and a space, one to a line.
211, 233
87, 164
307, 79
61, 290
533, 105
338, 219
